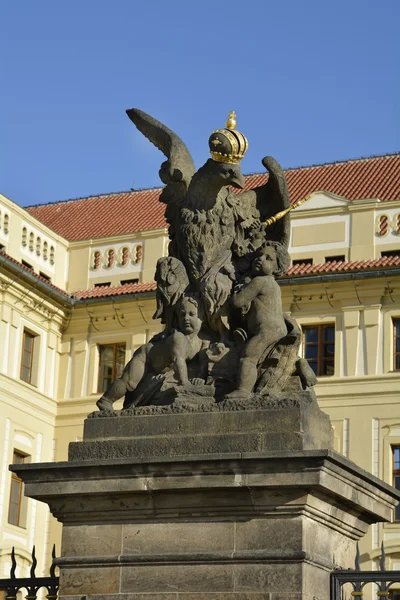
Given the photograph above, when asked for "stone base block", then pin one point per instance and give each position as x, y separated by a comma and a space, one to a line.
300, 426
243, 526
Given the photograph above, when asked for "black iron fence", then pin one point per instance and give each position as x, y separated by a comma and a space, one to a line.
29, 586
386, 584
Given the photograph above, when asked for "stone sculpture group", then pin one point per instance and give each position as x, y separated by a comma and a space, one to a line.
226, 343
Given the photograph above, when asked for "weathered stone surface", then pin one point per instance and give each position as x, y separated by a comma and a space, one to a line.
250, 526
174, 537
301, 427
97, 540
182, 578
90, 580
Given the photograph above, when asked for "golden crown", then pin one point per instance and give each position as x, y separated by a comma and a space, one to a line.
227, 145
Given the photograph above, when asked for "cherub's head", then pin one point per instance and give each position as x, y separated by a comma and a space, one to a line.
273, 259
190, 314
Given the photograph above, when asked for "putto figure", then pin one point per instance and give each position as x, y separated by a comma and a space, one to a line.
173, 351
226, 337
261, 302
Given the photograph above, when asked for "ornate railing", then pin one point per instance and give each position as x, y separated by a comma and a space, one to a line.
384, 581
31, 584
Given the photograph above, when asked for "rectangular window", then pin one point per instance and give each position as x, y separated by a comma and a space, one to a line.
106, 284
396, 344
390, 253
16, 511
27, 265
319, 348
124, 281
111, 364
338, 258
396, 477
302, 261
30, 347
44, 276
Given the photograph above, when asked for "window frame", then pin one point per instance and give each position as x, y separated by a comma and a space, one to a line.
395, 473
302, 261
33, 336
20, 483
395, 320
114, 364
320, 345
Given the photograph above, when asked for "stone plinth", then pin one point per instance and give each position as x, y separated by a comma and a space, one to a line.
244, 525
301, 425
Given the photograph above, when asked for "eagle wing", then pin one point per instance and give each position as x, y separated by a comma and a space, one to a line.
177, 171
261, 203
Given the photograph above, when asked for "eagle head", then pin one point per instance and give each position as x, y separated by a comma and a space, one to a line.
224, 174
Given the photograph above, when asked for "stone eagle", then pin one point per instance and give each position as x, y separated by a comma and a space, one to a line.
215, 231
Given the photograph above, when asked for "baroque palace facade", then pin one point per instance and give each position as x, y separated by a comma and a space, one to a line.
77, 298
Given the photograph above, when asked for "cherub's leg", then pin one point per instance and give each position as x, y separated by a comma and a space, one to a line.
178, 345
247, 375
129, 380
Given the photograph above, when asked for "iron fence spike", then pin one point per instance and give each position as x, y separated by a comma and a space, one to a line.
13, 564
357, 560
383, 557
34, 562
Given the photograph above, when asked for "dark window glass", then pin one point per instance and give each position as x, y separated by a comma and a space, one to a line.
302, 261
396, 344
26, 264
16, 492
27, 356
124, 281
390, 253
396, 477
338, 258
111, 365
319, 348
44, 276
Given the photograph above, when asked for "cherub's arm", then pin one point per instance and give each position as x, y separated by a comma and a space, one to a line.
247, 294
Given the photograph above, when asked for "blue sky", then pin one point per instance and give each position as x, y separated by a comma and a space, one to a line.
311, 81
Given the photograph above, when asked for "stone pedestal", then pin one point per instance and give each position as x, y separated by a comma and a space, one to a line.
207, 506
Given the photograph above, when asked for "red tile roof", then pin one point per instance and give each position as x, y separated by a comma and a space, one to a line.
103, 216
105, 291
130, 212
31, 272
385, 262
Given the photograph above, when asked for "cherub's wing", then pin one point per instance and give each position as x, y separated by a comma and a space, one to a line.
269, 199
177, 171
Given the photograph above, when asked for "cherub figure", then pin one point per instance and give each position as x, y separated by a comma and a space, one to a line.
260, 300
155, 357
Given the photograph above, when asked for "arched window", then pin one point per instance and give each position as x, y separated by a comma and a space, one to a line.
52, 252
24, 236
31, 241
110, 260
383, 225
38, 246
5, 223
45, 250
